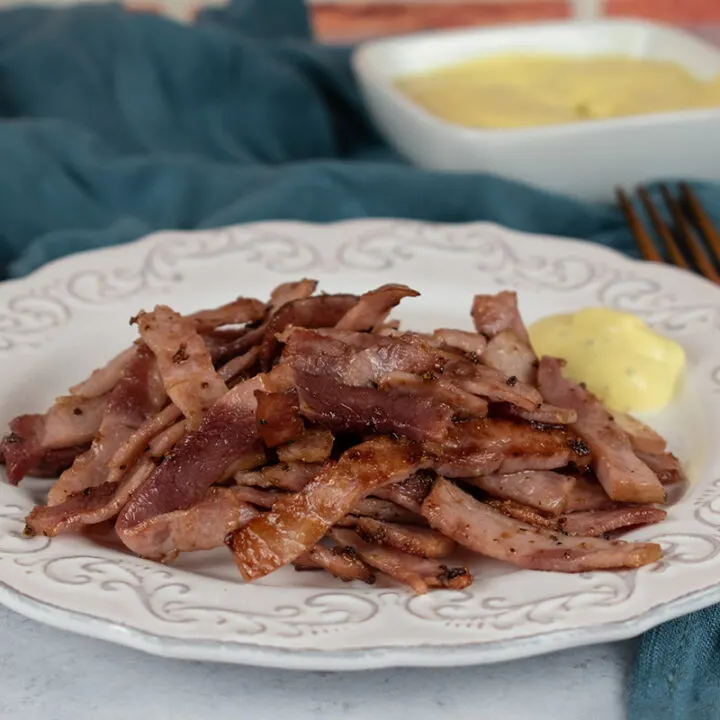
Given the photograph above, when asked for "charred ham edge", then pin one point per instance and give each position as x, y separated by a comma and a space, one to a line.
420, 574
183, 360
71, 421
665, 465
420, 541
313, 446
473, 344
590, 523
494, 313
284, 476
278, 417
480, 447
623, 475
409, 493
299, 521
380, 509
488, 531
345, 408
643, 438
136, 396
341, 562
507, 353
203, 526
374, 306
89, 507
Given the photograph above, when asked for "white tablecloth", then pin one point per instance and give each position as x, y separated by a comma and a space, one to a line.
48, 674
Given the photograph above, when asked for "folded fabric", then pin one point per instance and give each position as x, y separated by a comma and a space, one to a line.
113, 125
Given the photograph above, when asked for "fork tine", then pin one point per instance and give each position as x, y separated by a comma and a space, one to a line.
645, 244
701, 219
676, 256
691, 240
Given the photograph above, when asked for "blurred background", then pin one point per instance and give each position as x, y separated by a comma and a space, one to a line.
348, 20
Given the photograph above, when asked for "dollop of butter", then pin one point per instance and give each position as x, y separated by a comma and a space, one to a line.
629, 366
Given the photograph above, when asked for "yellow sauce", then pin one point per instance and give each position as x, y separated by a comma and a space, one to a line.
514, 91
621, 360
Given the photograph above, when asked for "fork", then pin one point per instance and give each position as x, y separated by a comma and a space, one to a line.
690, 241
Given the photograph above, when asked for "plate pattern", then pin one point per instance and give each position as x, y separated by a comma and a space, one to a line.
190, 611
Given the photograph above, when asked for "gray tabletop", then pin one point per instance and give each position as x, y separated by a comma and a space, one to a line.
48, 674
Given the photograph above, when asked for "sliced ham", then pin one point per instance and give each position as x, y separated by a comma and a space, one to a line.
136, 396
623, 475
183, 360
238, 312
421, 541
341, 562
380, 509
488, 531
311, 312
102, 380
89, 507
313, 446
665, 465
598, 522
290, 291
203, 456
300, 520
202, 526
374, 306
481, 447
420, 574
463, 403
409, 493
541, 489
494, 385
344, 408
71, 421
494, 313
512, 356
643, 438
468, 342
278, 417
285, 476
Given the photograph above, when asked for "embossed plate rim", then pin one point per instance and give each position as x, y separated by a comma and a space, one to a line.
420, 653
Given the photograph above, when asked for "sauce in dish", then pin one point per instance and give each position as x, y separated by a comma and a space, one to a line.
630, 367
516, 91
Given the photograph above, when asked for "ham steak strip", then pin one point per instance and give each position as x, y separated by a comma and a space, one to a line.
420, 574
421, 541
310, 431
341, 562
298, 521
183, 360
494, 313
71, 421
623, 475
136, 396
488, 531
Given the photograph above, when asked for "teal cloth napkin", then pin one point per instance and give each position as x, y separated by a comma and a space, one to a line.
113, 125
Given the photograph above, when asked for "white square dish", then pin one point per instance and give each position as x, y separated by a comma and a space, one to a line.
585, 159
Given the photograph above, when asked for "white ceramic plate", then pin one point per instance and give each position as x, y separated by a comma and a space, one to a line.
66, 319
